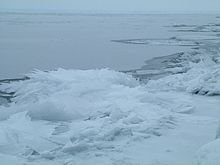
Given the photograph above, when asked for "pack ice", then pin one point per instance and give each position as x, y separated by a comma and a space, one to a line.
166, 113
75, 116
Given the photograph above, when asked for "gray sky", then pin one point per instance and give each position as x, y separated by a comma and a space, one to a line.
114, 5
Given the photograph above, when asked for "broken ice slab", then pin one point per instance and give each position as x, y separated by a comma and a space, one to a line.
5, 97
173, 41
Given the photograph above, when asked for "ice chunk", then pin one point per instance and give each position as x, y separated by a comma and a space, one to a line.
218, 132
50, 111
76, 148
210, 153
201, 79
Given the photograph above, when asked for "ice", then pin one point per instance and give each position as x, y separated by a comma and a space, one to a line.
70, 94
166, 112
50, 112
9, 160
209, 153
218, 132
102, 112
80, 112
173, 41
88, 112
211, 27
75, 149
49, 41
201, 80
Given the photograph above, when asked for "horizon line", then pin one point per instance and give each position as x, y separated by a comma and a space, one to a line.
53, 11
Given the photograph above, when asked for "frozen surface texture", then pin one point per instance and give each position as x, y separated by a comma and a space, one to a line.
165, 113
78, 112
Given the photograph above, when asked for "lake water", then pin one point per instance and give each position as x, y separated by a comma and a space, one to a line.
82, 41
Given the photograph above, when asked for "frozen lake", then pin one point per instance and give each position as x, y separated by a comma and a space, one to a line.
82, 41
167, 112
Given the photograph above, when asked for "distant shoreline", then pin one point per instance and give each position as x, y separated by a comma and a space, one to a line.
60, 12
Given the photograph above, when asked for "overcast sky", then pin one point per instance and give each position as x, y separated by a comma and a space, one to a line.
114, 5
